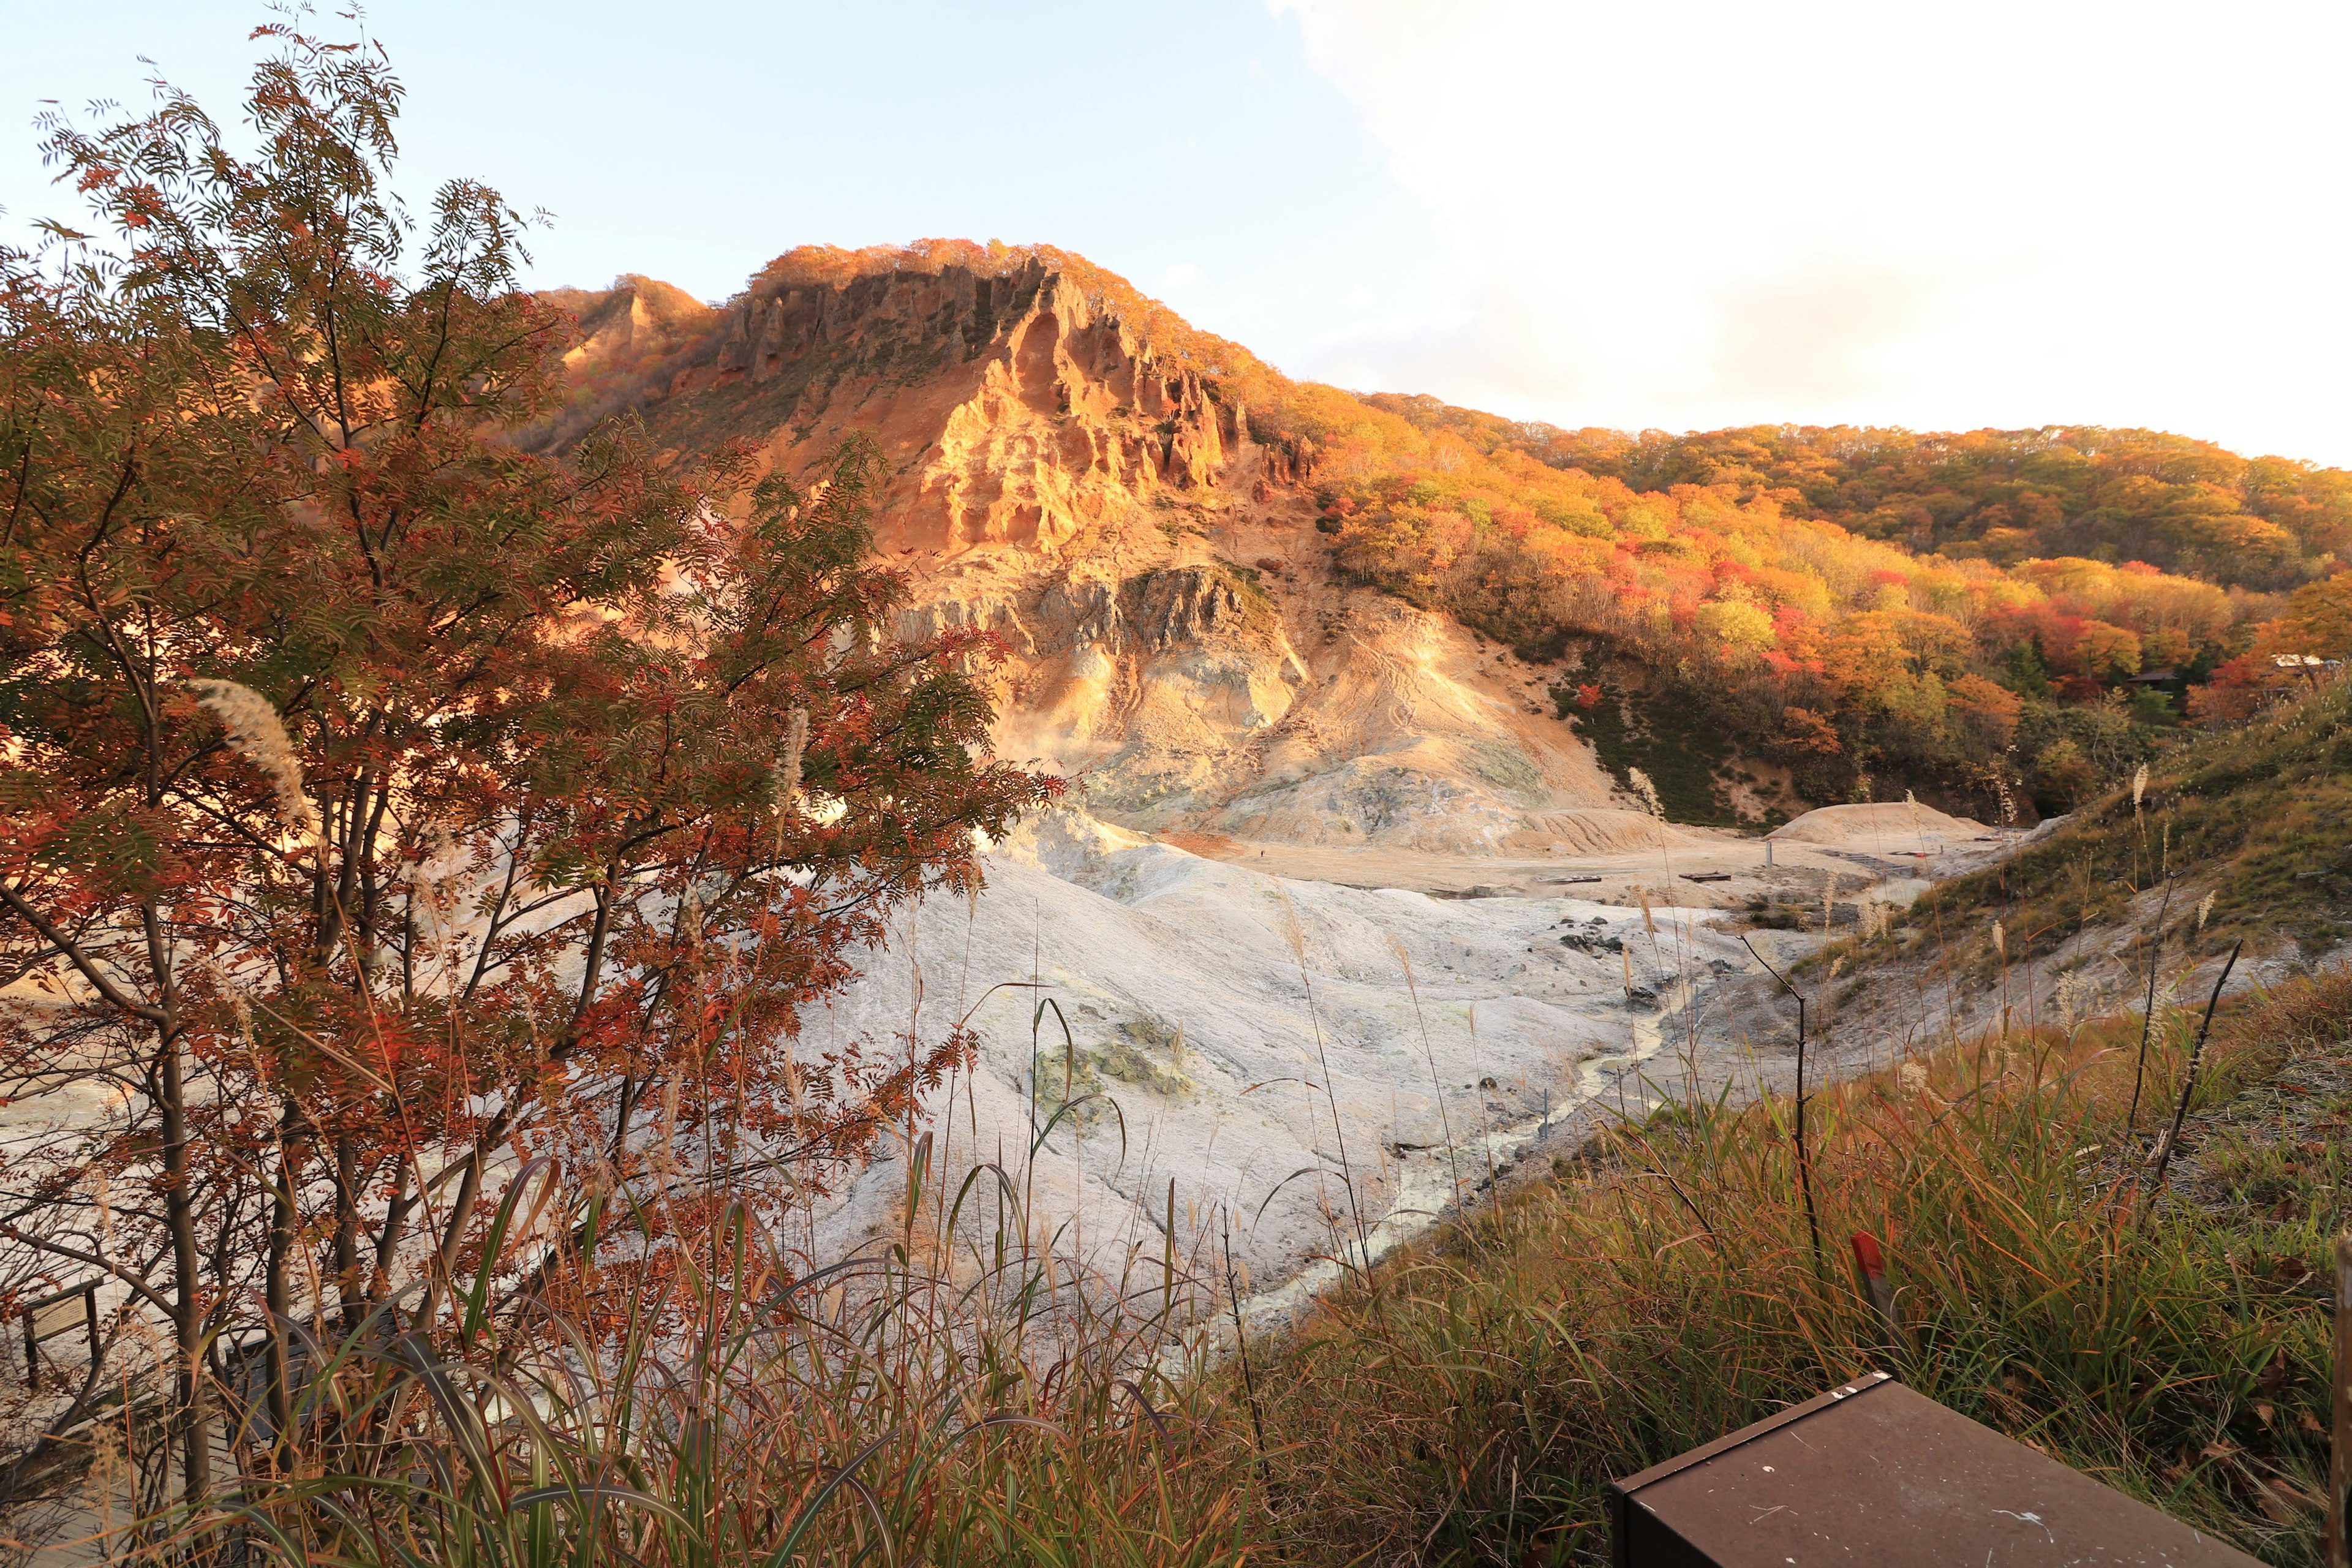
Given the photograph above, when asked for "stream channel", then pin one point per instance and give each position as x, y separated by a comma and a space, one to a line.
1427, 1185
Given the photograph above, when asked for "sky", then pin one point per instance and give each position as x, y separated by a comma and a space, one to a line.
1666, 214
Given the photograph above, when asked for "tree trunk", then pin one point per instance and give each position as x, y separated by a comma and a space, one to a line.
190, 1416
277, 1287
350, 1286
388, 1241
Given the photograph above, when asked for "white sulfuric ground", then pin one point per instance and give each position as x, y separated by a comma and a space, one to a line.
1137, 940
1505, 1031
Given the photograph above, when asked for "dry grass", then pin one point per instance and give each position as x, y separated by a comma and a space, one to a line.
1471, 1407
1465, 1404
983, 1399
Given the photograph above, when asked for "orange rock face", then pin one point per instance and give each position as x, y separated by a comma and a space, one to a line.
1015, 409
1073, 468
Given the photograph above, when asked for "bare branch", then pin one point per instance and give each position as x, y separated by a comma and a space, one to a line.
75, 955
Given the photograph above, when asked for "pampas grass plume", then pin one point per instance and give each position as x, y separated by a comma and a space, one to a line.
1639, 783
1293, 933
788, 774
258, 735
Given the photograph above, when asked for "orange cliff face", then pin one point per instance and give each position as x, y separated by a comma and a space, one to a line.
1075, 468
1014, 408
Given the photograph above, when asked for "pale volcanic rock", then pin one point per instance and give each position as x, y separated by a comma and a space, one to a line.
1188, 1006
1906, 825
1257, 749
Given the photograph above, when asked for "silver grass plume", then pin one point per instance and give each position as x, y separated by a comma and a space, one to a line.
1647, 793
2204, 909
2139, 786
1293, 934
2072, 989
440, 851
788, 774
664, 1151
258, 735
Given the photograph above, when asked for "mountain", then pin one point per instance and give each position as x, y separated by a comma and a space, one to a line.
2007, 496
1252, 608
1077, 472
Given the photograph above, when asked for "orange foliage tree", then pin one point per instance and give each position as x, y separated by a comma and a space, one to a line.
381, 803
2316, 622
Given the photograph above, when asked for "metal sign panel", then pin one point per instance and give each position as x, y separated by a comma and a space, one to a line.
1874, 1472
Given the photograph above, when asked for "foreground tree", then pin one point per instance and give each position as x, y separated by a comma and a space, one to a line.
381, 806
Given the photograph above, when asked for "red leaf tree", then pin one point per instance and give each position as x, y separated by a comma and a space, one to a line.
382, 804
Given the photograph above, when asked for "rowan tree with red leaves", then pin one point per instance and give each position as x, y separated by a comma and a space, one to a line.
381, 804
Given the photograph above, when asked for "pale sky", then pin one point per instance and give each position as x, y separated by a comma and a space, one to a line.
1666, 215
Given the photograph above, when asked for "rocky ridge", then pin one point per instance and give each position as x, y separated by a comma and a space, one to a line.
1075, 470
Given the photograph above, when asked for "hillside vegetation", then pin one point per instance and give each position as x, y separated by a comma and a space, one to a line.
2005, 496
2252, 829
1864, 659
2004, 621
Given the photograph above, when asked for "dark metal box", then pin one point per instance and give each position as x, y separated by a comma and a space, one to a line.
1875, 1473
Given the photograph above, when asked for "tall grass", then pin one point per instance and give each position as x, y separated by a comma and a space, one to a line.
850, 1432
967, 1391
972, 1391
1665, 1292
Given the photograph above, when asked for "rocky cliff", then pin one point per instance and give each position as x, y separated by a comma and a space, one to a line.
1075, 469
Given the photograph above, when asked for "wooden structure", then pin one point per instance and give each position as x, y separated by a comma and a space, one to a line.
76, 1306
